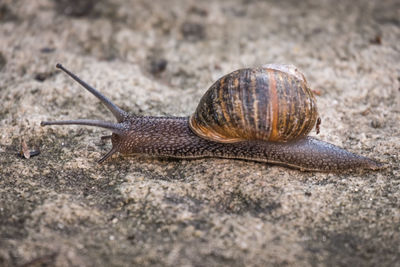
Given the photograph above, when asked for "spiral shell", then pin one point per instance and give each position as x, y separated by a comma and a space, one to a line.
271, 103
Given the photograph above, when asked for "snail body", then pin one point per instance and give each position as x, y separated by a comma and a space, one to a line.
259, 114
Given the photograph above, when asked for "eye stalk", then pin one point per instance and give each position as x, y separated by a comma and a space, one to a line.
118, 113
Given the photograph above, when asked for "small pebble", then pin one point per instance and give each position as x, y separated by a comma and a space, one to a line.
375, 123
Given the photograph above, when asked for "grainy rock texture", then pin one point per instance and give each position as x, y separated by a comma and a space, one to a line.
158, 57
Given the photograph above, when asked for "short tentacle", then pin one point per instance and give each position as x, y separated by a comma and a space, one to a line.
108, 155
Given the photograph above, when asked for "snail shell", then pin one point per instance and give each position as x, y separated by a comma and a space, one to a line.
270, 103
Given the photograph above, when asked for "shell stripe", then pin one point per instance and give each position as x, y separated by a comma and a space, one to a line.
274, 106
248, 101
290, 107
282, 105
237, 104
263, 104
243, 97
223, 98
253, 87
215, 104
312, 109
304, 101
296, 111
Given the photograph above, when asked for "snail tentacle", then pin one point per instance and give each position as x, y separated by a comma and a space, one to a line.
119, 114
114, 127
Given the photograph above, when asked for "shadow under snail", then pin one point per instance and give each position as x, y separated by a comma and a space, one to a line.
260, 114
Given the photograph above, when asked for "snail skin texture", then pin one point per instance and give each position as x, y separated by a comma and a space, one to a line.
260, 114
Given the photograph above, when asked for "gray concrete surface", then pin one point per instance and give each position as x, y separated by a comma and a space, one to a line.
61, 208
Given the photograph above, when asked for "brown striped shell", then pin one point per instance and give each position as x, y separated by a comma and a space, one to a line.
271, 103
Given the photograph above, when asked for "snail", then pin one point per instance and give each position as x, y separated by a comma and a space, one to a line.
259, 114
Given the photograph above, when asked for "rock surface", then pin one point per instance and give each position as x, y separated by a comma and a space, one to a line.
61, 208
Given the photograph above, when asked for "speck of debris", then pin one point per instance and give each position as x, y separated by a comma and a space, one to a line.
158, 65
